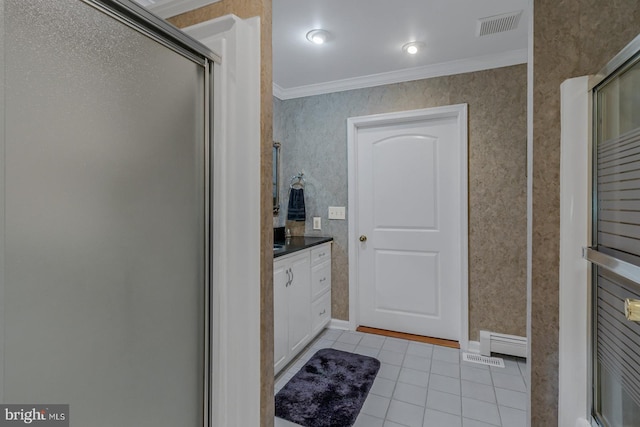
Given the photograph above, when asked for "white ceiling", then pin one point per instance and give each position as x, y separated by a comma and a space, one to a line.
367, 39
368, 36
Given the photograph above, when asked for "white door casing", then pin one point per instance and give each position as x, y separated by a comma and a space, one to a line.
236, 222
408, 196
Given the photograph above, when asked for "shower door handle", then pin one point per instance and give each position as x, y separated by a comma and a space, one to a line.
632, 309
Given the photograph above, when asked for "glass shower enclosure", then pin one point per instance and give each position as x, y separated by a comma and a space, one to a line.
104, 214
615, 253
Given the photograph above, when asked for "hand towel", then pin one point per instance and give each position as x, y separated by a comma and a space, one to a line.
296, 211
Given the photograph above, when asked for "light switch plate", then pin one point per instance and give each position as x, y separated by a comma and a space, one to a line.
317, 223
337, 212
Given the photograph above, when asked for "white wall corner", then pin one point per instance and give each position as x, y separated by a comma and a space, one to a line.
236, 221
574, 295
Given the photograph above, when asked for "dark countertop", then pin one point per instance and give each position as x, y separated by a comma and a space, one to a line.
298, 243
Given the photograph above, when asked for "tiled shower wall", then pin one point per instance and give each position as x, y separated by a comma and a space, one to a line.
313, 134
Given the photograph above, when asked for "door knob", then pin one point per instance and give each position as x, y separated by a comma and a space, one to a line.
363, 238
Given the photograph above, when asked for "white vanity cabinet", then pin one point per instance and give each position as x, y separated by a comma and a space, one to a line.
301, 300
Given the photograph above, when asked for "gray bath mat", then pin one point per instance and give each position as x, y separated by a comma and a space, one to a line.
329, 390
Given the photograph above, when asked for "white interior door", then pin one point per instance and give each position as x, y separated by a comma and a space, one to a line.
410, 221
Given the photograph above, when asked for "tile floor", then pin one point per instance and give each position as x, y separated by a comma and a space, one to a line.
422, 385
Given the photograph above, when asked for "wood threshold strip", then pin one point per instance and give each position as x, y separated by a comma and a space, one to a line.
410, 337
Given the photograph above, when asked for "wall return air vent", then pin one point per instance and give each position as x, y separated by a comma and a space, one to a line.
498, 23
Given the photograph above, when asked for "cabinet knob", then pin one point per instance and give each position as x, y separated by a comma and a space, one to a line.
363, 238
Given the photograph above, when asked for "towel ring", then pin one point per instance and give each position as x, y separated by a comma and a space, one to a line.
297, 181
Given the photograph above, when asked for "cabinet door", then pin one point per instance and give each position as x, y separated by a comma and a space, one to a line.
280, 313
320, 279
299, 302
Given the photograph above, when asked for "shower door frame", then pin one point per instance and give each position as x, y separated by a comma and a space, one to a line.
141, 20
624, 60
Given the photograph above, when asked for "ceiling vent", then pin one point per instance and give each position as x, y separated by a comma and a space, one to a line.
498, 23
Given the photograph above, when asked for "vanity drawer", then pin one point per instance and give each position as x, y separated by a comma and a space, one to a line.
321, 312
320, 279
321, 254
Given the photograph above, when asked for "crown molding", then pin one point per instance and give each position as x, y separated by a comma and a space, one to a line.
468, 65
172, 8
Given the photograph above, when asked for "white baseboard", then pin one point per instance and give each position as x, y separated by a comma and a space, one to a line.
339, 324
492, 342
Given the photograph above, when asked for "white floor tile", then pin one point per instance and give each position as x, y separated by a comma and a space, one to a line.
279, 422
391, 357
331, 334
440, 367
451, 355
434, 418
405, 414
477, 375
373, 341
424, 385
322, 343
349, 338
376, 406
512, 399
410, 393
510, 367
523, 367
419, 363
413, 376
510, 382
388, 371
513, 417
344, 346
365, 420
394, 344
444, 402
478, 391
367, 351
420, 349
468, 422
481, 411
444, 384
383, 387
474, 365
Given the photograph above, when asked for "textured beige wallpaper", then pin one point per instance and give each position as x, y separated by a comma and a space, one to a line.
313, 135
571, 38
249, 9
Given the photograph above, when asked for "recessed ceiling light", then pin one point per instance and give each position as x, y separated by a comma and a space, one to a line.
318, 36
412, 48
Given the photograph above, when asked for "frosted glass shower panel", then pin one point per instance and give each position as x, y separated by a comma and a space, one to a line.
105, 232
616, 358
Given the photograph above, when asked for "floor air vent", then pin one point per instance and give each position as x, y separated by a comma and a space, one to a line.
498, 23
483, 360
